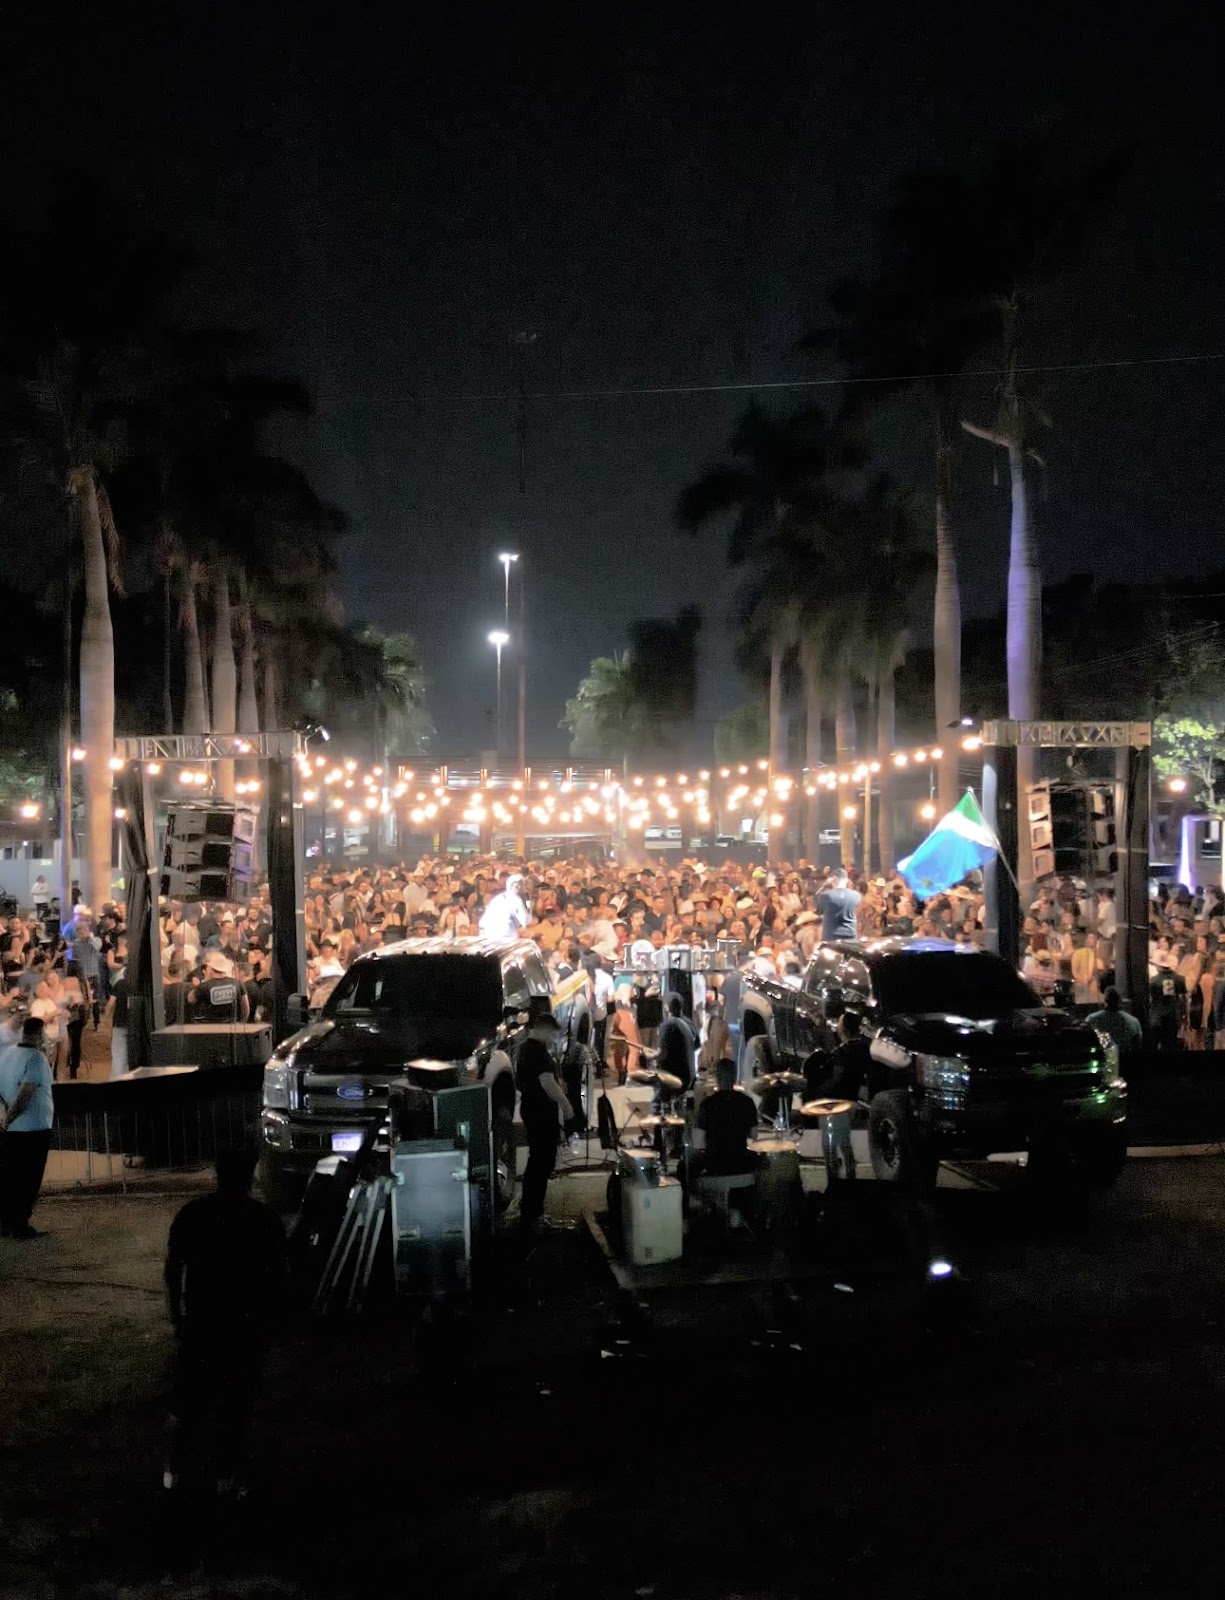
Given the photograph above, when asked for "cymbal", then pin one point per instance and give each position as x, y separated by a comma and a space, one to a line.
779, 1080
827, 1108
661, 1122
655, 1079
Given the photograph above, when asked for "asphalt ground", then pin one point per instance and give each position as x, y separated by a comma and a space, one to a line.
1049, 1419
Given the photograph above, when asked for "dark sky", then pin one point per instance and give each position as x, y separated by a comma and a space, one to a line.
661, 194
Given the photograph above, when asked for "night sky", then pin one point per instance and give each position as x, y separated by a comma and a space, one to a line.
662, 196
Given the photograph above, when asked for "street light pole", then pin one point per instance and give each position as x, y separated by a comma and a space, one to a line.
522, 680
506, 557
497, 639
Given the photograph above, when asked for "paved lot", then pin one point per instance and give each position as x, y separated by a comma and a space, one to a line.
1053, 1425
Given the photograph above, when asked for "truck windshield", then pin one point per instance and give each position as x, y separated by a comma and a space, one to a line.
974, 986
451, 988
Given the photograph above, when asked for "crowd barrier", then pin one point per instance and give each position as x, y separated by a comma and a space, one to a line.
160, 1119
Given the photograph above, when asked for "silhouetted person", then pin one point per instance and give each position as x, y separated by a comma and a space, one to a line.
844, 1075
727, 1120
540, 1099
678, 1044
227, 1280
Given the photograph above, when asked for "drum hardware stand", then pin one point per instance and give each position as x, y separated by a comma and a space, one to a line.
352, 1258
608, 1159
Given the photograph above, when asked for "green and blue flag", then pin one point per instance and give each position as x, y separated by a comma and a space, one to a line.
960, 843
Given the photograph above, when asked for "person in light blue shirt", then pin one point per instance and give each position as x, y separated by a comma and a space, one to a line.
837, 904
27, 1111
1122, 1027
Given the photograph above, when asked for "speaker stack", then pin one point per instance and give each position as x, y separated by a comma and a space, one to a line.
209, 853
1073, 829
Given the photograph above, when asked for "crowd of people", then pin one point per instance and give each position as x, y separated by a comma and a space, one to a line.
216, 959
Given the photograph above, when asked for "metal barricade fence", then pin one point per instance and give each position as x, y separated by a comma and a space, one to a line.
117, 1133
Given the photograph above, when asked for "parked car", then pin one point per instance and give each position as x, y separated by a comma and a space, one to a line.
966, 1061
437, 999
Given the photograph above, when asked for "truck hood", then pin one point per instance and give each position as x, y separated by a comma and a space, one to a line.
1018, 1038
377, 1047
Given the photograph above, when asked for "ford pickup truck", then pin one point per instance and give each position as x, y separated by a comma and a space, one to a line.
965, 1059
460, 1000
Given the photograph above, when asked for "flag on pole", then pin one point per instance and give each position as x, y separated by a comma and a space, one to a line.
958, 844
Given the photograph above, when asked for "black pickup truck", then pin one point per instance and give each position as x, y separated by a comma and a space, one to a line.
459, 1000
965, 1060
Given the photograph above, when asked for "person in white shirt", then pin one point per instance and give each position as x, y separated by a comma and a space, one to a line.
506, 915
1107, 916
327, 975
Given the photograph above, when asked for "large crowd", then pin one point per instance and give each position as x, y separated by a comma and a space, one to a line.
593, 914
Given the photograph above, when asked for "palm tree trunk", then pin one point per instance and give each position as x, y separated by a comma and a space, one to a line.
947, 624
195, 704
271, 708
167, 698
886, 733
844, 736
777, 750
225, 676
65, 818
97, 668
1024, 648
248, 704
812, 736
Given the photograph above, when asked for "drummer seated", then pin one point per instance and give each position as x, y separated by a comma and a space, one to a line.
726, 1120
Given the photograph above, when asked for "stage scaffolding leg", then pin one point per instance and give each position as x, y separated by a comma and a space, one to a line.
1000, 808
287, 889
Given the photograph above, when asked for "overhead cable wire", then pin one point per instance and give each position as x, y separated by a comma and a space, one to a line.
647, 391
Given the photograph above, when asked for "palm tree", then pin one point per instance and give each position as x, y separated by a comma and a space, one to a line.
196, 717
245, 522
165, 560
607, 717
224, 681
816, 686
1035, 213
1012, 431
78, 359
777, 472
901, 543
915, 325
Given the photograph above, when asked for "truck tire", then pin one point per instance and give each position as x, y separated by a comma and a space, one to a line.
757, 1059
899, 1151
505, 1160
283, 1190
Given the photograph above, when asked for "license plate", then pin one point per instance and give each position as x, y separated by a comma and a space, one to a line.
346, 1143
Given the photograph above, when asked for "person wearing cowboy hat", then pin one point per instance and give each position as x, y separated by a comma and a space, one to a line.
217, 997
541, 1097
807, 932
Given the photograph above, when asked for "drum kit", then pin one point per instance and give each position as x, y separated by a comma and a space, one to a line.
784, 1085
660, 1121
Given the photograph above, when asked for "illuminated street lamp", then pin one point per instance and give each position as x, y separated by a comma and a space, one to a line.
1178, 785
927, 811
499, 638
